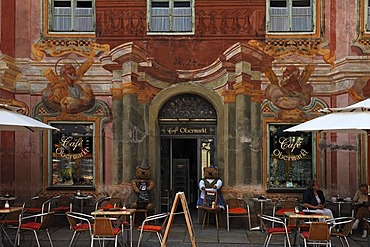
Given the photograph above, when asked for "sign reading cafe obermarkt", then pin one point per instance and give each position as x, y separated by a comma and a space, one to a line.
289, 159
72, 162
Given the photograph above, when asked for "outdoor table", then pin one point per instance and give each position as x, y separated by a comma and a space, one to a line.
339, 203
3, 213
117, 212
82, 198
308, 216
261, 201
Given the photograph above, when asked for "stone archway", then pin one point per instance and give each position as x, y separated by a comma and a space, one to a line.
154, 128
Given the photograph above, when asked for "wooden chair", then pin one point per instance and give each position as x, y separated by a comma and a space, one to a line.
237, 208
84, 225
104, 230
147, 226
210, 207
282, 230
318, 234
35, 223
341, 228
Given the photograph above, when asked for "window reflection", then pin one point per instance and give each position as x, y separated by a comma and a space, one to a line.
72, 155
289, 159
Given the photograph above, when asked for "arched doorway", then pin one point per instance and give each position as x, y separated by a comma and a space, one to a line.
188, 138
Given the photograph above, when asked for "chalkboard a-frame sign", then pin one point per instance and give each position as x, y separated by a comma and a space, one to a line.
209, 198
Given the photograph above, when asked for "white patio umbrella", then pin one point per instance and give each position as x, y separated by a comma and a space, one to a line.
351, 119
14, 121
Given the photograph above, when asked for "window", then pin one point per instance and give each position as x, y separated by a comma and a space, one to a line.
72, 160
170, 16
290, 159
290, 16
72, 16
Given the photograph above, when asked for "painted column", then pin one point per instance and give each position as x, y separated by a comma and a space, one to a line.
243, 123
229, 129
117, 108
129, 115
256, 128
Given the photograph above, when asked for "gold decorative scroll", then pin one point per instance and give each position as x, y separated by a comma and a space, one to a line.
280, 48
58, 48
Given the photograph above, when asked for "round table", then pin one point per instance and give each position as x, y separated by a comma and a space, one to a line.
261, 201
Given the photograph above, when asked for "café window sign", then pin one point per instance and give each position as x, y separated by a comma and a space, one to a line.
290, 159
72, 159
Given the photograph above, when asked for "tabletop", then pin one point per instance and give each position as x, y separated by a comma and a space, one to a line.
113, 211
7, 198
306, 216
10, 210
258, 199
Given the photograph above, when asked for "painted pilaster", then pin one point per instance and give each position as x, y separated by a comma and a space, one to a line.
117, 108
243, 123
131, 115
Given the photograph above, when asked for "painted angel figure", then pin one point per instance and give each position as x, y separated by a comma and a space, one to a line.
292, 90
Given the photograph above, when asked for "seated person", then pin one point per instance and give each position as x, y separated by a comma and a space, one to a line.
314, 200
360, 202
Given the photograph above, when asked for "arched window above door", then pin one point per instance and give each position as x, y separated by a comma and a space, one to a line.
188, 107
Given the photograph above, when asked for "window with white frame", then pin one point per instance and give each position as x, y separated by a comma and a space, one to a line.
290, 15
72, 15
170, 16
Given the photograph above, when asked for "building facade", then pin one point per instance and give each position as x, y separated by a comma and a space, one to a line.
180, 85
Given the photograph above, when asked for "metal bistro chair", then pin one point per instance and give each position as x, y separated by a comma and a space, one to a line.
318, 234
35, 223
237, 208
341, 228
84, 225
104, 230
271, 231
146, 226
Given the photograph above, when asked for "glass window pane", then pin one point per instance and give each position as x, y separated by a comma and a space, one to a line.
290, 158
302, 19
73, 155
301, 3
278, 3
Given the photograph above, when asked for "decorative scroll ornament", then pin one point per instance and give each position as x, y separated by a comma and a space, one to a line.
187, 106
60, 47
14, 105
280, 48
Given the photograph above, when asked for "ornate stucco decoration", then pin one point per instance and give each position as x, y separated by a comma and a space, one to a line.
296, 115
280, 48
9, 72
60, 47
14, 104
241, 63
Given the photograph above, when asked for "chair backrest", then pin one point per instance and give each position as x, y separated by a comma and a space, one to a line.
103, 227
345, 223
289, 203
319, 231
271, 219
47, 220
233, 202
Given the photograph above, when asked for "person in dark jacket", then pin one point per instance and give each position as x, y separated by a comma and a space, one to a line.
314, 200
